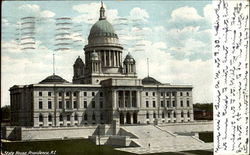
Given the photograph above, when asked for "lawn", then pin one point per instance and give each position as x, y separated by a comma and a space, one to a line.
206, 136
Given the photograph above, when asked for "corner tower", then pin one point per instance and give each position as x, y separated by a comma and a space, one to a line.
104, 42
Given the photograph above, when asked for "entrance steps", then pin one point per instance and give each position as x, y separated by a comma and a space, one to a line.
152, 139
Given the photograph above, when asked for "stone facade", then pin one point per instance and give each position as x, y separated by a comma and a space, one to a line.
104, 89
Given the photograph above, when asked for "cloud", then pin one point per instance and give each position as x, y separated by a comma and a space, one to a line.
35, 10
208, 11
138, 14
185, 14
167, 69
89, 13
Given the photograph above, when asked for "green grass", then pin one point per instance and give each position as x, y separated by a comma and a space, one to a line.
68, 147
206, 136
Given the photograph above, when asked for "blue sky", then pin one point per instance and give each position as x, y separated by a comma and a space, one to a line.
175, 35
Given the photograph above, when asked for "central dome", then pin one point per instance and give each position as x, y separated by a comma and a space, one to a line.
102, 32
102, 28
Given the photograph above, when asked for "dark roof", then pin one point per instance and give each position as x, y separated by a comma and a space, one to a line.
150, 81
53, 79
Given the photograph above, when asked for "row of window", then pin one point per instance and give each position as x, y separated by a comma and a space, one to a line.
85, 117
169, 115
75, 105
168, 104
68, 93
167, 94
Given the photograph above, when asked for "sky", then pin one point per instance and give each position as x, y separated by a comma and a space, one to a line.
174, 35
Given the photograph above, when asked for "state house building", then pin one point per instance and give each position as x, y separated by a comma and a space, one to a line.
105, 88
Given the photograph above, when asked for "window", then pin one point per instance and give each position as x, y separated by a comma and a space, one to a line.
49, 93
188, 103
75, 94
180, 93
181, 103
162, 115
147, 115
67, 104
93, 104
76, 117
40, 93
153, 93
173, 103
188, 114
93, 93
60, 105
85, 104
147, 105
173, 93
146, 93
153, 103
67, 93
101, 104
85, 93
85, 117
40, 118
167, 94
174, 115
169, 115
187, 93
49, 105
60, 94
61, 117
75, 105
50, 118
93, 117
101, 116
161, 94
101, 94
182, 115
154, 115
68, 117
168, 105
40, 104
162, 104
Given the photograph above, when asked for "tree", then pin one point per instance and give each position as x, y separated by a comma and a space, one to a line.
5, 113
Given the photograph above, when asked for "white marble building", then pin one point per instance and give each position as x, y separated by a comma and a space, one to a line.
104, 88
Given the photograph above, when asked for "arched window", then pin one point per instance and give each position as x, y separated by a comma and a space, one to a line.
169, 115
40, 118
93, 116
162, 115
76, 117
174, 115
147, 115
85, 117
50, 118
188, 114
61, 117
182, 115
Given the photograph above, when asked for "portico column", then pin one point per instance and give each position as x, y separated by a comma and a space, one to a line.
114, 99
137, 99
131, 117
130, 99
123, 97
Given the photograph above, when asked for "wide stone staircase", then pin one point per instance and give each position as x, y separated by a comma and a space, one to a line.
152, 139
